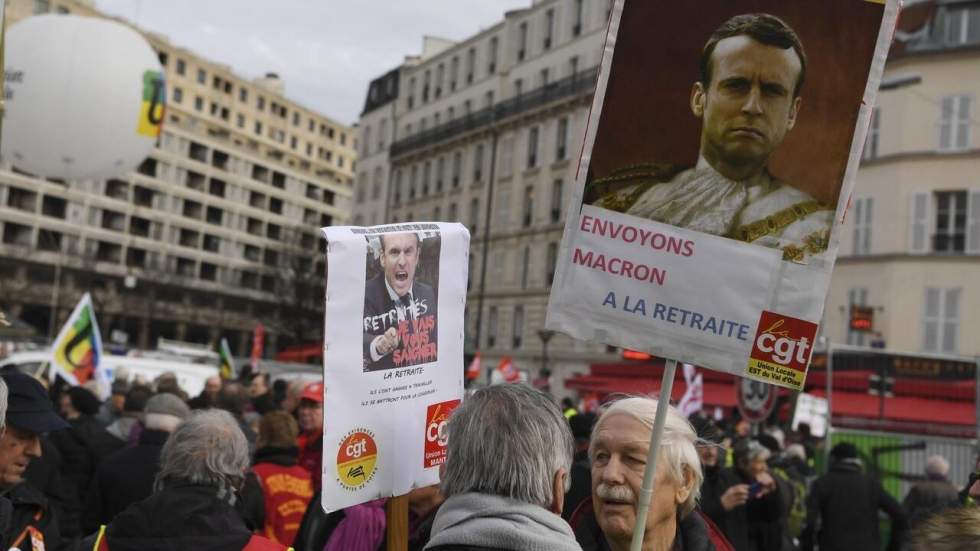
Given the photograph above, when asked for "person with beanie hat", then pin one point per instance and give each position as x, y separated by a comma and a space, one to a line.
844, 504
126, 476
132, 409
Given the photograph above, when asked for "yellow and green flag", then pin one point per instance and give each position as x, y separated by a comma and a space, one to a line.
226, 365
77, 350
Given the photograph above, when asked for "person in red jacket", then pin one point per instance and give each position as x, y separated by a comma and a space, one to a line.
310, 441
286, 487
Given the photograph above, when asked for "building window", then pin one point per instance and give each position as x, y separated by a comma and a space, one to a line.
457, 167
874, 135
577, 27
941, 320
453, 73
492, 65
453, 213
474, 215
41, 6
528, 206
549, 27
503, 209
413, 182
863, 211
198, 103
478, 163
426, 176
202, 76
518, 335
856, 296
507, 158
561, 140
437, 214
552, 262
470, 65
181, 67
376, 186
258, 128
525, 266
426, 82
522, 41
556, 201
178, 95
962, 26
954, 122
532, 147
951, 222
260, 103
492, 327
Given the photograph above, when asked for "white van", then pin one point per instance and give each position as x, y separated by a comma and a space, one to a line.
190, 376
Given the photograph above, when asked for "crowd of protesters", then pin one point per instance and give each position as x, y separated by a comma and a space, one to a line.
238, 468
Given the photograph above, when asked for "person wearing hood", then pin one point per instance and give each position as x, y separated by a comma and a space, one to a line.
126, 476
506, 474
844, 504
202, 467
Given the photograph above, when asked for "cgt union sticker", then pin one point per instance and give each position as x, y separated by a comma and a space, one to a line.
781, 350
435, 433
357, 457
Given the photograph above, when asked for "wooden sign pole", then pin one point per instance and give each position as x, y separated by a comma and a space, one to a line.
396, 511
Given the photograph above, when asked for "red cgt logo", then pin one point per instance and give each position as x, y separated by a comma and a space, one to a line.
436, 438
781, 350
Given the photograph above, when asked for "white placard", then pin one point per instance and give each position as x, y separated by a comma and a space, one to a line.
393, 356
714, 179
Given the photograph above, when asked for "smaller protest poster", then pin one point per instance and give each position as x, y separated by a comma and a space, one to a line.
393, 356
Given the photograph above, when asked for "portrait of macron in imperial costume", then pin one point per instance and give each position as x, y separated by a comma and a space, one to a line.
747, 99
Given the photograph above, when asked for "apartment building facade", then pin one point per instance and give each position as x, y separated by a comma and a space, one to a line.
910, 249
215, 232
487, 132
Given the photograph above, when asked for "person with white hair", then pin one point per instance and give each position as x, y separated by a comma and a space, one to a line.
506, 474
932, 495
202, 468
619, 449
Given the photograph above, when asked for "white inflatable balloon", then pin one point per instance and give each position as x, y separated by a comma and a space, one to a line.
85, 97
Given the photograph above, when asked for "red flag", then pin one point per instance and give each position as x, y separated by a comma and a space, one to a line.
258, 336
473, 371
506, 369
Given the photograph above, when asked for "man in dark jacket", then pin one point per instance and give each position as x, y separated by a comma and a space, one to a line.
33, 524
844, 503
746, 501
932, 495
202, 465
126, 476
581, 475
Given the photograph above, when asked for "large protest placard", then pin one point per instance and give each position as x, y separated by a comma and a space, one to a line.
393, 356
718, 161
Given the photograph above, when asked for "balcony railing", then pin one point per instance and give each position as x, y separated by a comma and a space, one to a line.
582, 82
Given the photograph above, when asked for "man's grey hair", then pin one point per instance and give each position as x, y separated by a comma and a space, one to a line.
508, 440
208, 448
3, 404
678, 445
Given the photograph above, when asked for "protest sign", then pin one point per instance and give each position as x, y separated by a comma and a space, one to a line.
717, 165
393, 356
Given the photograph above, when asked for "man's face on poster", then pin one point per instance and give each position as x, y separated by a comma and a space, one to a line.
748, 105
399, 257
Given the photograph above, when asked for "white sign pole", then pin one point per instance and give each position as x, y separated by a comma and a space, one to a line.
646, 492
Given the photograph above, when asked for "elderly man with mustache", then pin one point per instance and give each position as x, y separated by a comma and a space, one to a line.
620, 443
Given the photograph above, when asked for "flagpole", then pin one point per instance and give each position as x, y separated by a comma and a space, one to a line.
646, 492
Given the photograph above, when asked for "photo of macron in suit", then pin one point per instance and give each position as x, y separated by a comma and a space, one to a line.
394, 297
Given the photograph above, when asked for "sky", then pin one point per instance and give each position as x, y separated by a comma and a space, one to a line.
326, 51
